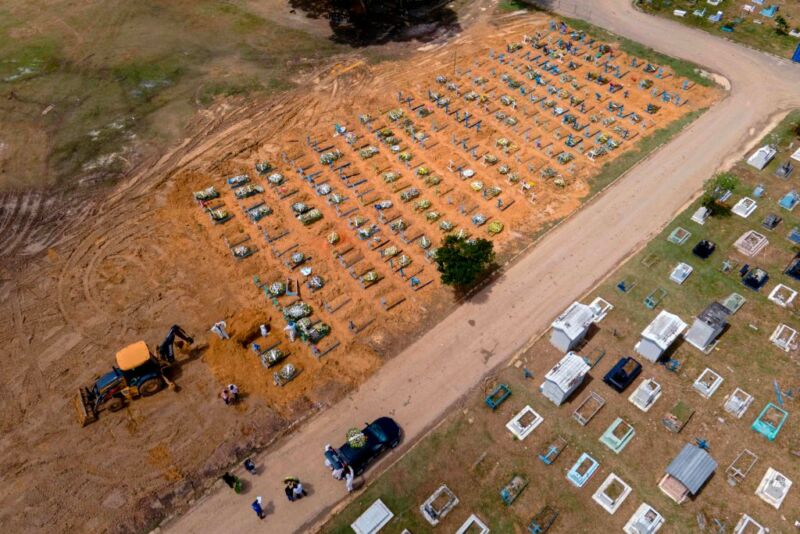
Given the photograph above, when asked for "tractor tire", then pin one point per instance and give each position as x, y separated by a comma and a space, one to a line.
116, 404
151, 387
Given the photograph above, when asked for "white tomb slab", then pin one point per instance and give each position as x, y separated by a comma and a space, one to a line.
784, 337
707, 383
751, 243
611, 501
745, 207
782, 295
473, 525
701, 215
373, 519
748, 525
524, 422
738, 402
773, 488
646, 395
645, 520
681, 272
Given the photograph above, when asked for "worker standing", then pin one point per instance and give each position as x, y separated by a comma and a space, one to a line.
219, 329
256, 506
298, 490
233, 392
348, 479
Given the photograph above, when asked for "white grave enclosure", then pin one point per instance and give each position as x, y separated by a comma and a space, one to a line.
611, 493
524, 423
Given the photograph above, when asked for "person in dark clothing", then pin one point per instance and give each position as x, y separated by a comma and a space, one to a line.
250, 466
256, 506
289, 491
166, 349
229, 479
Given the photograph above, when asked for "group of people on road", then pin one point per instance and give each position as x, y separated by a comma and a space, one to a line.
293, 488
340, 471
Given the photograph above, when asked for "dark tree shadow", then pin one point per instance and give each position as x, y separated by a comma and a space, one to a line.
368, 22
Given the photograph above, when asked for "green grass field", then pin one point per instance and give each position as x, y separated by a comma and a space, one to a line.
85, 82
752, 29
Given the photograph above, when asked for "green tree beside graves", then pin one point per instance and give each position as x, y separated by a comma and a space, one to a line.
715, 188
462, 261
781, 26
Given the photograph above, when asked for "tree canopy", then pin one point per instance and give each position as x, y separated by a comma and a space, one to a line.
462, 261
714, 188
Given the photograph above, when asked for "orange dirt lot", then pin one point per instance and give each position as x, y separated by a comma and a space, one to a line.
148, 256
391, 167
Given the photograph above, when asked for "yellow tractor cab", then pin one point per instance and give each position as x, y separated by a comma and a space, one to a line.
137, 374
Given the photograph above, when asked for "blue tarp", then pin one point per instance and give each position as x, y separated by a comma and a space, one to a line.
796, 56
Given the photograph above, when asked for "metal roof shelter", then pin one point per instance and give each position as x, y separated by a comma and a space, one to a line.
659, 335
571, 327
708, 325
564, 378
690, 470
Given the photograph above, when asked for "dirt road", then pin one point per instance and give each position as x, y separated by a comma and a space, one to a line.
424, 382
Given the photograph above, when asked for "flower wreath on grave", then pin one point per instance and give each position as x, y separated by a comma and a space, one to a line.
329, 157
423, 204
390, 177
356, 438
368, 152
297, 311
495, 227
277, 289
408, 195
208, 193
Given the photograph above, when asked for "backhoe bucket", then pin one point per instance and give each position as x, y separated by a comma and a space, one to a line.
83, 408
